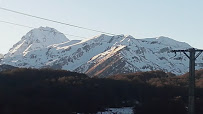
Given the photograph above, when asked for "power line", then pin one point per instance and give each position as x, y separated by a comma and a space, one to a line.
72, 25
15, 24
34, 27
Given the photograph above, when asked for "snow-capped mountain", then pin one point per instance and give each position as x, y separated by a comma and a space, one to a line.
127, 54
99, 56
37, 39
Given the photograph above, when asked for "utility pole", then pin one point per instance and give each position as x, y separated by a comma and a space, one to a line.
192, 57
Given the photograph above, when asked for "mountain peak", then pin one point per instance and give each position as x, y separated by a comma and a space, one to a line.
162, 37
168, 41
48, 33
37, 38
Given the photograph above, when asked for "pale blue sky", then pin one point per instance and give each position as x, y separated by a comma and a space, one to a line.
181, 20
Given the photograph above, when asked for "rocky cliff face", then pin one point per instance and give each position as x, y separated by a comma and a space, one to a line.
100, 56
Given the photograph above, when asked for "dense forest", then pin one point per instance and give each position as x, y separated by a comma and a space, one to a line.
46, 91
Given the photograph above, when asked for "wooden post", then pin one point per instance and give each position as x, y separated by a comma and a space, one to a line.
191, 94
191, 105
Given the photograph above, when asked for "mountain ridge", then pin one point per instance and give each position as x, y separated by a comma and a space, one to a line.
105, 55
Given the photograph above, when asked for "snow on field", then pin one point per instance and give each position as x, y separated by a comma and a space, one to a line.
124, 110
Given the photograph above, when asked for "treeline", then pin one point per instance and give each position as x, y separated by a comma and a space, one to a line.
166, 92
45, 91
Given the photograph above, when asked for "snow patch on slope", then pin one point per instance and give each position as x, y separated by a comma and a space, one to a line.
124, 110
